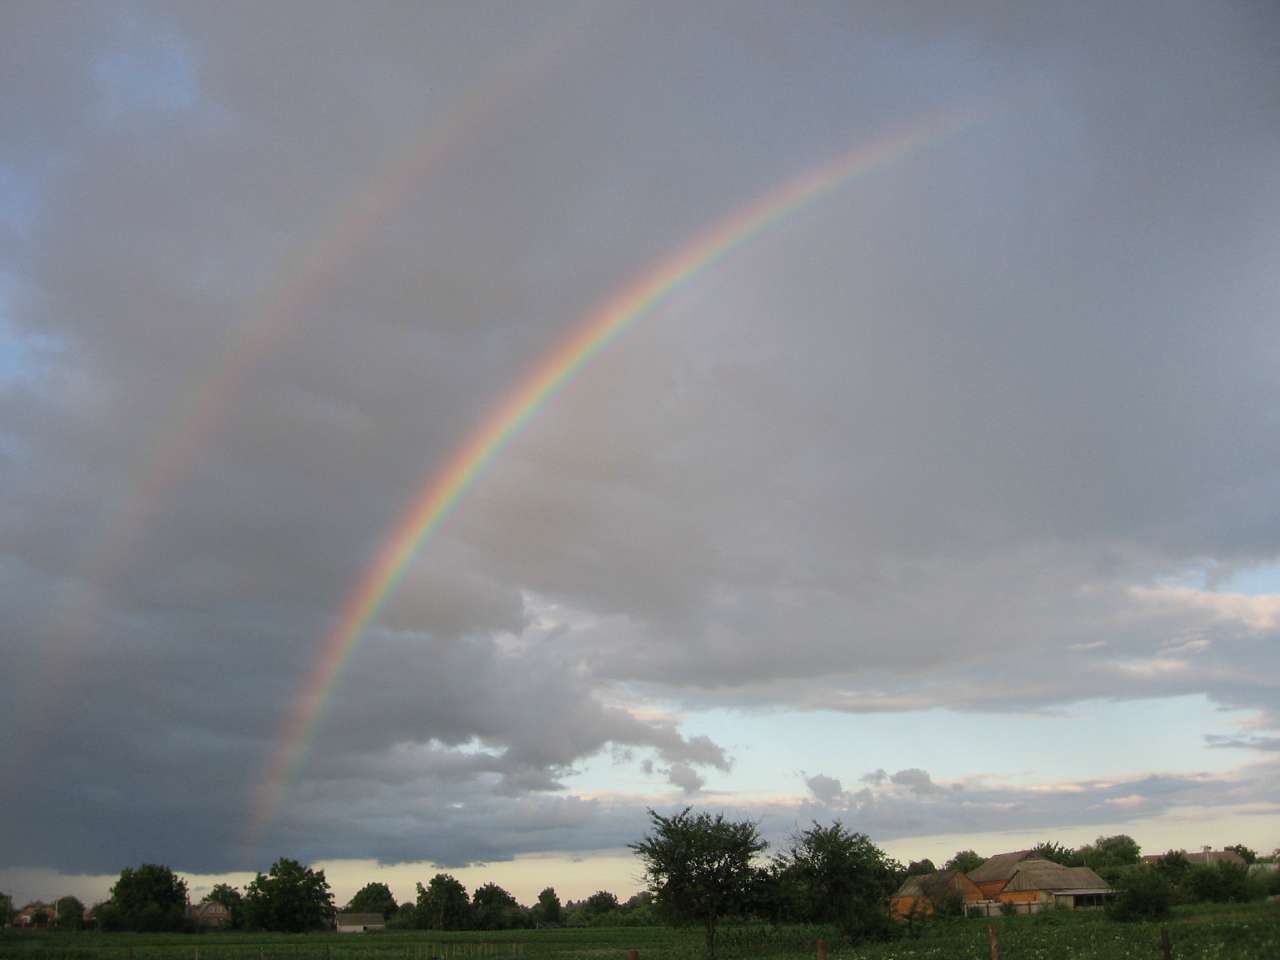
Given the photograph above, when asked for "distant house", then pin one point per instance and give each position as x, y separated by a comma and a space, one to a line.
924, 893
1206, 855
1040, 884
996, 871
210, 913
37, 913
360, 922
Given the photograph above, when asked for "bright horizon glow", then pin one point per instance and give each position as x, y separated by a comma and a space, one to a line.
576, 876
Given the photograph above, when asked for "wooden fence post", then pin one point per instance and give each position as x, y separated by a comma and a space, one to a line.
822, 949
633, 955
1166, 946
993, 938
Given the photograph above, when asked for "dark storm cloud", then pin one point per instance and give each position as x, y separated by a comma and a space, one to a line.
944, 438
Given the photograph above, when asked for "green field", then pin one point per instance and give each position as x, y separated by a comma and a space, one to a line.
1203, 933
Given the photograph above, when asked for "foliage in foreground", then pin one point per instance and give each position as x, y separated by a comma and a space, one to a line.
1232, 932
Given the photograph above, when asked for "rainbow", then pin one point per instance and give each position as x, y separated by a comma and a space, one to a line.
442, 490
303, 278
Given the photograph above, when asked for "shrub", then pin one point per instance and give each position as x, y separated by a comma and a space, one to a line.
1218, 883
1145, 894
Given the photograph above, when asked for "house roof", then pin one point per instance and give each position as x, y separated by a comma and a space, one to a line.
999, 867
210, 906
935, 885
1047, 875
360, 919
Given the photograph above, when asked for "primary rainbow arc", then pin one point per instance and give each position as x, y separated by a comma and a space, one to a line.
597, 330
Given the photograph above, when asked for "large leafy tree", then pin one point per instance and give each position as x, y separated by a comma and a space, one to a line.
548, 909
920, 867
964, 861
374, 898
6, 908
834, 876
699, 866
290, 898
70, 913
493, 908
1118, 851
1249, 856
443, 904
1050, 850
150, 898
600, 903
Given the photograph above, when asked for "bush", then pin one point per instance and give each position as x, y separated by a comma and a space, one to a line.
1145, 894
1218, 883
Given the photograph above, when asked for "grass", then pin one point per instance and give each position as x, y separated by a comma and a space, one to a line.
1247, 932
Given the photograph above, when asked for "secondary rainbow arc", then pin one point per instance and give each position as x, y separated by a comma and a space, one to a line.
443, 489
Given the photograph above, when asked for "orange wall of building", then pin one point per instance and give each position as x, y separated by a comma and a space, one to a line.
901, 906
1020, 896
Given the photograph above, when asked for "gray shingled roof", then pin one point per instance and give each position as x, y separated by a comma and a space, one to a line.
999, 867
1047, 875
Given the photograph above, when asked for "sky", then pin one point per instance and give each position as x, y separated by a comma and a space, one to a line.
926, 479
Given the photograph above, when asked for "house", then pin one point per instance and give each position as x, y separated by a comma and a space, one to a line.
926, 892
1041, 884
360, 922
36, 914
1206, 855
996, 871
210, 913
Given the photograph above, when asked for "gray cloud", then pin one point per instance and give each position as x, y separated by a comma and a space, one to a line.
941, 439
685, 777
826, 790
1248, 742
916, 780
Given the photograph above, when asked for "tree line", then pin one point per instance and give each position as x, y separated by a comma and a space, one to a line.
699, 869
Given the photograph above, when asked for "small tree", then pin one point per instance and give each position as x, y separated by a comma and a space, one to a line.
699, 867
290, 898
374, 898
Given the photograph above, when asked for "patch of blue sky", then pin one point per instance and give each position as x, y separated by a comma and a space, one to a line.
1258, 581
22, 355
19, 201
773, 751
149, 69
